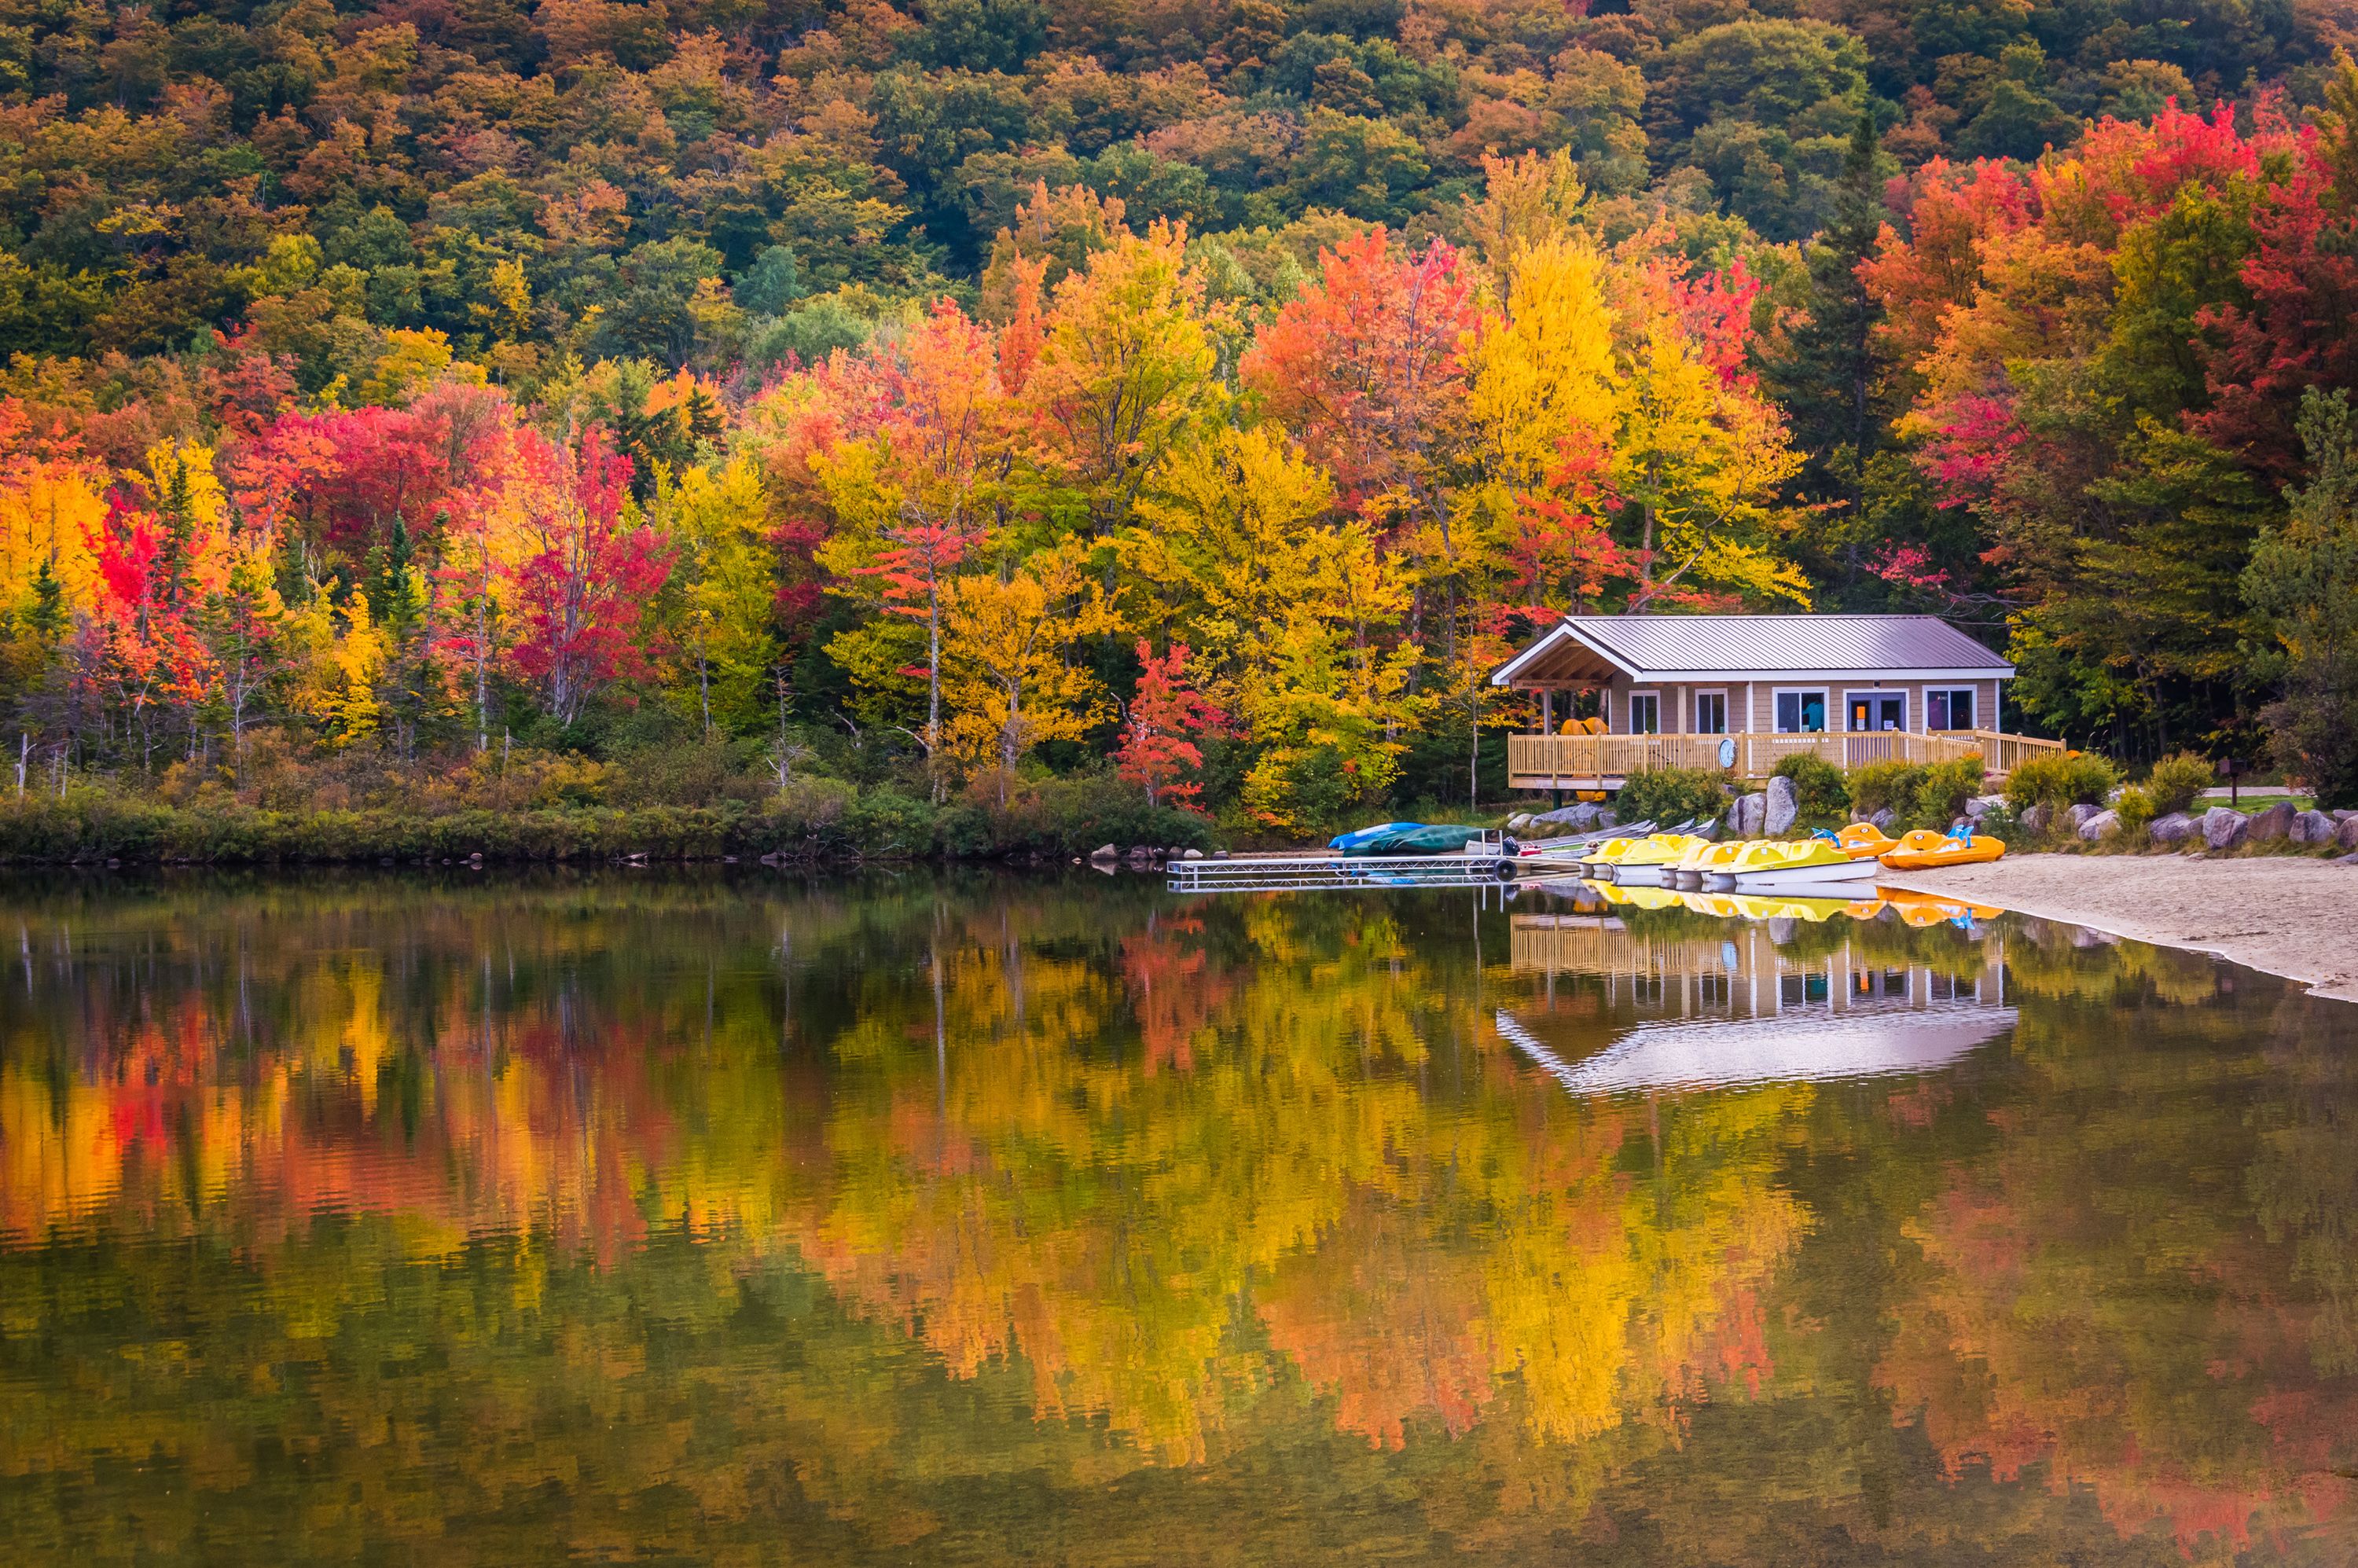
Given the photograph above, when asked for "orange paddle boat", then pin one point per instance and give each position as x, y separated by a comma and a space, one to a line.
1924, 850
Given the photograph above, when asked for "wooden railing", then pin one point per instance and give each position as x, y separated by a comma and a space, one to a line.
1535, 761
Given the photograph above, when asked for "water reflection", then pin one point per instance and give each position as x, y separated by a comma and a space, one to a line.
986, 1221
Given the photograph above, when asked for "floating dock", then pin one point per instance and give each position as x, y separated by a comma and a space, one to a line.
1285, 873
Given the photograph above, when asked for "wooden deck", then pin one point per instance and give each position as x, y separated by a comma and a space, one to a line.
1606, 761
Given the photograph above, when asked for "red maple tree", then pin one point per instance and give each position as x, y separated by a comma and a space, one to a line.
1156, 751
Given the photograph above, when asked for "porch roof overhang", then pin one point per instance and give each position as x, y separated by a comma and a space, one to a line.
1582, 651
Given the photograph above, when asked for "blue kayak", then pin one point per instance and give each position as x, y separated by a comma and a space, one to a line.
1415, 840
1353, 841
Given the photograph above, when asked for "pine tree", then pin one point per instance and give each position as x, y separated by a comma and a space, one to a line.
2304, 575
1830, 373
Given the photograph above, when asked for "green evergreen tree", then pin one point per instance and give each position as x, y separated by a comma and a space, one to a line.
2304, 578
1831, 375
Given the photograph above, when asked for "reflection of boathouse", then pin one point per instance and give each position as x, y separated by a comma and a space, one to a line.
1737, 971
1731, 1004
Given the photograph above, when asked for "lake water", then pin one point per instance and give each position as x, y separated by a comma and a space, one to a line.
922, 1219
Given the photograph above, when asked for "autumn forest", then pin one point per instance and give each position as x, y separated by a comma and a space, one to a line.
1074, 409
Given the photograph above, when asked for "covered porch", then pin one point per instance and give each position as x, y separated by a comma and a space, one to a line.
1606, 761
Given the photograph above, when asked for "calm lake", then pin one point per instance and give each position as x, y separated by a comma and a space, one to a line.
975, 1219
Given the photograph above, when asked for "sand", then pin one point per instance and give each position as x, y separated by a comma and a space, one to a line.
2288, 915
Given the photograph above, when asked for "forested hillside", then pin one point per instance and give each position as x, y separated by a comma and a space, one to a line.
1197, 397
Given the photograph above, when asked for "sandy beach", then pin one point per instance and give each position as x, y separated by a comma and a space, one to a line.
2288, 915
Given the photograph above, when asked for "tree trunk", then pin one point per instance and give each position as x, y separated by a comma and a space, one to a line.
482, 655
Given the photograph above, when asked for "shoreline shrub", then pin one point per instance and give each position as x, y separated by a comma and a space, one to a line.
1885, 785
2136, 808
1672, 794
813, 817
1819, 787
2177, 781
2060, 782
1943, 789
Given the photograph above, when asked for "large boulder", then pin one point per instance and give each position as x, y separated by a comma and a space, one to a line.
1746, 818
2223, 828
1518, 821
1981, 806
1608, 817
2175, 829
2273, 824
2076, 816
1576, 817
2346, 835
2100, 825
2312, 827
1783, 806
2035, 819
1105, 852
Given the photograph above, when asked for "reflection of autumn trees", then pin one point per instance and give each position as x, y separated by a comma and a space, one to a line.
1409, 1217
2100, 1305
1129, 1133
706, 1213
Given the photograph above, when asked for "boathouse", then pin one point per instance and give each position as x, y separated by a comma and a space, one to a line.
1739, 692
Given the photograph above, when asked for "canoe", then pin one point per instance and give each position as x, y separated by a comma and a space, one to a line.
1924, 850
1793, 867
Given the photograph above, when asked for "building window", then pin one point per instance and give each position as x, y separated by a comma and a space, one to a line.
1645, 713
1889, 985
1874, 710
1801, 712
1711, 713
1807, 990
1949, 707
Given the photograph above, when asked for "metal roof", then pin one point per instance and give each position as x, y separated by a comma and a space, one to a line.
1709, 645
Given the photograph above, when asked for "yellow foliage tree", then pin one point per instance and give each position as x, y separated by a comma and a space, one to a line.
1010, 678
1126, 370
340, 666
1291, 611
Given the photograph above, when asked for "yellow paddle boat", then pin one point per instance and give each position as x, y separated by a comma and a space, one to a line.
1597, 856
1642, 864
1761, 906
1923, 849
1781, 869
1637, 897
1702, 858
1722, 905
